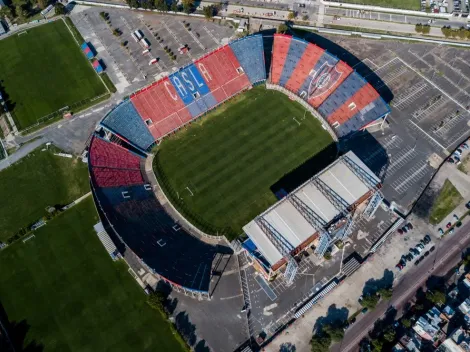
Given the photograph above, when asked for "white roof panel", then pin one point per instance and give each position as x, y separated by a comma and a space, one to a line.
312, 197
267, 249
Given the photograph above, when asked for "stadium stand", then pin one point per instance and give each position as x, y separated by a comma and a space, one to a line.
144, 226
126, 122
296, 49
250, 54
280, 50
106, 177
106, 154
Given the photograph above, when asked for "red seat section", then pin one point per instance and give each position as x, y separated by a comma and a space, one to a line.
363, 97
161, 108
106, 177
280, 50
223, 73
306, 64
105, 154
336, 76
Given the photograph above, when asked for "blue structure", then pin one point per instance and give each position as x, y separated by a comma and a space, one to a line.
126, 122
346, 90
325, 63
250, 54
370, 113
144, 226
296, 50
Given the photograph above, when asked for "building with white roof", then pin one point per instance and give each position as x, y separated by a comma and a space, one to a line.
317, 212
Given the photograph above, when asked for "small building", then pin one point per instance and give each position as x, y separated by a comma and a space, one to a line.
242, 26
428, 326
447, 313
459, 341
87, 51
97, 66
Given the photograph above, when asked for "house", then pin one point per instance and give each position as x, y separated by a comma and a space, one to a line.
428, 326
459, 341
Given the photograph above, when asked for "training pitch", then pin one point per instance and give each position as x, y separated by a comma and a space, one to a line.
42, 71
39, 180
219, 170
60, 291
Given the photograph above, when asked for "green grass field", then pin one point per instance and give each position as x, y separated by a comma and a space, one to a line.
230, 158
38, 180
66, 294
446, 201
43, 71
396, 4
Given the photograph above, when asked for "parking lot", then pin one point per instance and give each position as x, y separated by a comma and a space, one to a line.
127, 63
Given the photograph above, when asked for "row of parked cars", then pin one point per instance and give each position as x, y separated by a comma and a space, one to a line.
457, 155
405, 229
416, 252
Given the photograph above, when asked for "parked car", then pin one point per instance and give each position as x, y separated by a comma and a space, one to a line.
451, 231
449, 225
432, 249
412, 254
409, 226
400, 231
467, 205
415, 251
364, 310
464, 146
426, 253
441, 231
427, 239
450, 160
456, 217
417, 261
404, 229
399, 266
420, 245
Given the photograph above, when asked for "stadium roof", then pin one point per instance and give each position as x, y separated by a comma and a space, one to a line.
291, 224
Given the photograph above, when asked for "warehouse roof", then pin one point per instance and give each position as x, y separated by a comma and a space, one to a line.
291, 224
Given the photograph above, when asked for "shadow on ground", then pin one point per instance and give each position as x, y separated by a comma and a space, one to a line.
335, 317
372, 286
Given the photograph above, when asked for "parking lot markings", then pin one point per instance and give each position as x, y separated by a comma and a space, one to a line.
211, 35
408, 97
417, 128
410, 177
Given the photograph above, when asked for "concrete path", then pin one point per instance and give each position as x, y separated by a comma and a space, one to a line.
22, 152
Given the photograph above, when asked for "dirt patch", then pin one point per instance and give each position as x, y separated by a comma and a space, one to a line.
465, 165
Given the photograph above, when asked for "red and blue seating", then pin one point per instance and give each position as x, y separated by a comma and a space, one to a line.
250, 54
281, 47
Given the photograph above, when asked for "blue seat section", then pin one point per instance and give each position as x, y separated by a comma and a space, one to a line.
182, 88
296, 50
126, 122
250, 54
373, 111
193, 80
144, 226
209, 101
326, 62
346, 90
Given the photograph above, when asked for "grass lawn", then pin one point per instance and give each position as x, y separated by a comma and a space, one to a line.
66, 293
397, 4
230, 158
43, 71
39, 180
446, 201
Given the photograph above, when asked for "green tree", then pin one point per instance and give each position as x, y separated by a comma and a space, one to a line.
282, 28
42, 4
160, 5
174, 6
21, 12
133, 3
386, 293
209, 11
446, 31
156, 300
291, 16
377, 345
418, 27
436, 297
6, 11
389, 334
406, 323
59, 9
462, 33
304, 18
370, 302
188, 6
426, 29
335, 333
320, 343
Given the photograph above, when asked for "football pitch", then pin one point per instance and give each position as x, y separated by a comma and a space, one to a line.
38, 180
42, 71
62, 292
219, 170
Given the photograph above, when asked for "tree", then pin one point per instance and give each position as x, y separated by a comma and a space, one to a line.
42, 4
335, 333
418, 27
320, 343
6, 11
446, 31
370, 301
406, 323
282, 28
436, 297
21, 12
133, 3
386, 293
462, 33
389, 334
304, 18
426, 29
291, 16
174, 6
209, 11
377, 345
188, 6
160, 5
156, 300
59, 9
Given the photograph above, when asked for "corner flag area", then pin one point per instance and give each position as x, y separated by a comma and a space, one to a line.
218, 172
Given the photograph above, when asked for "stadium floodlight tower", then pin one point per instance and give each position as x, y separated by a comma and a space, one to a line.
284, 247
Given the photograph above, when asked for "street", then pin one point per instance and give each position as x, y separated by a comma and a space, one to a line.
446, 256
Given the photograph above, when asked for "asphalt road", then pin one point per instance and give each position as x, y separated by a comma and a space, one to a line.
447, 255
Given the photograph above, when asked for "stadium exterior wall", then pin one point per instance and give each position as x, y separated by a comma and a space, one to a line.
298, 99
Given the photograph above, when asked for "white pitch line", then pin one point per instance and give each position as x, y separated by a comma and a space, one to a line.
433, 84
427, 134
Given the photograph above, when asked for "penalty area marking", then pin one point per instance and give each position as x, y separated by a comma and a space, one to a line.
298, 123
189, 190
23, 32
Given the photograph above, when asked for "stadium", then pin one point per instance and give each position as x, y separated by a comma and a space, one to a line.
317, 213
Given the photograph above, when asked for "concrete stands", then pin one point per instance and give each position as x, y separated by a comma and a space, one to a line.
340, 94
126, 122
249, 52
